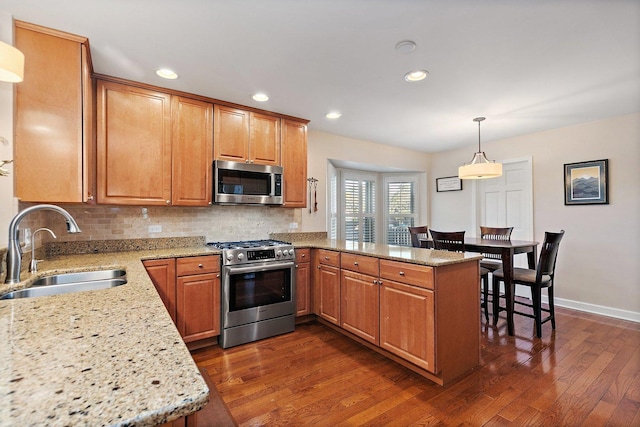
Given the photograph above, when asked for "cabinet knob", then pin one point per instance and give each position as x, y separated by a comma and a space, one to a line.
375, 282
296, 265
168, 202
90, 197
200, 265
217, 275
327, 258
318, 267
303, 255
402, 273
355, 262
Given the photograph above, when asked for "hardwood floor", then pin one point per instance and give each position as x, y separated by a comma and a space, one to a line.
587, 373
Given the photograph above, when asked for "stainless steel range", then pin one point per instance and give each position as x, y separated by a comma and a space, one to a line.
258, 290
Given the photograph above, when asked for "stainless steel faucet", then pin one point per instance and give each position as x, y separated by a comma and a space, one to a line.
33, 266
14, 251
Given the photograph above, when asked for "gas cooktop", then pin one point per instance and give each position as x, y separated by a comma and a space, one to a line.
248, 244
254, 251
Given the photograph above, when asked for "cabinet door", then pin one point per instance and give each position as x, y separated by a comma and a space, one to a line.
407, 323
264, 142
294, 163
163, 275
51, 137
230, 134
360, 305
134, 145
192, 152
329, 293
198, 306
303, 288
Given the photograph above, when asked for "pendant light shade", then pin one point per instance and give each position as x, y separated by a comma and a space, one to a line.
11, 64
480, 167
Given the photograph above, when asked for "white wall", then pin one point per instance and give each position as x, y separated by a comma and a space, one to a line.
6, 132
599, 259
324, 146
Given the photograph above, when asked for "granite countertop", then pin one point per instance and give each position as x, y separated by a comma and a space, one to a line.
107, 357
430, 257
114, 356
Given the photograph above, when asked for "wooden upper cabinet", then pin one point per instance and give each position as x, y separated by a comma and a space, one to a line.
264, 141
231, 134
134, 145
294, 163
247, 137
192, 141
54, 134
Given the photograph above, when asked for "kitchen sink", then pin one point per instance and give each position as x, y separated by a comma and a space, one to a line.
71, 282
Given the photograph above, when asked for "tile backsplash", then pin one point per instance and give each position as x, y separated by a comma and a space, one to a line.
216, 223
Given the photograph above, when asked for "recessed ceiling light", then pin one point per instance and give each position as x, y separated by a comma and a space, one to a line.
405, 46
333, 115
416, 76
165, 73
260, 97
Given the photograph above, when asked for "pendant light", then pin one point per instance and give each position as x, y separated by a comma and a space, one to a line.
480, 167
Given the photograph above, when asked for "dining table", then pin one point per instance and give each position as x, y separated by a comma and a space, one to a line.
507, 249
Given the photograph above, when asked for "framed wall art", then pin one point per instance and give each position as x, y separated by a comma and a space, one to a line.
586, 183
448, 183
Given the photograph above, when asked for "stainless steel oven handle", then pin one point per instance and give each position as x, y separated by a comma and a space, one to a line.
258, 268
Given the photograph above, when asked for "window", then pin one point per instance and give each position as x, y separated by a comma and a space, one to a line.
400, 208
372, 207
359, 202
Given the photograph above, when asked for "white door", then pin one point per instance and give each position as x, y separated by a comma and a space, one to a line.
507, 201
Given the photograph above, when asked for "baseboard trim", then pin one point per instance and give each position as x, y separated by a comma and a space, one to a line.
595, 309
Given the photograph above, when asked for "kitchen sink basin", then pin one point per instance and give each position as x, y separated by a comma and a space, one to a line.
71, 282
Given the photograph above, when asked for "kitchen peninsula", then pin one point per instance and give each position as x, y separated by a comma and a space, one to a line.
114, 357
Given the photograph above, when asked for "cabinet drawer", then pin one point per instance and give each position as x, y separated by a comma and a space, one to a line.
360, 263
417, 275
197, 265
303, 255
329, 257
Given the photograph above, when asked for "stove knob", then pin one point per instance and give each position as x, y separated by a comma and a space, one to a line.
279, 253
229, 256
291, 252
240, 256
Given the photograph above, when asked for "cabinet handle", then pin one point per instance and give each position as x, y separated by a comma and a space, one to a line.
90, 197
304, 255
168, 202
355, 262
327, 258
402, 273
217, 275
375, 282
318, 267
296, 265
200, 265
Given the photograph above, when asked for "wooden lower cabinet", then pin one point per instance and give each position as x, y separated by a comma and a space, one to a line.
407, 323
425, 318
198, 297
190, 289
303, 282
360, 305
163, 275
327, 285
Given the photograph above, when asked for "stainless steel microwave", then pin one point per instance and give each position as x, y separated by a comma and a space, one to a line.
247, 183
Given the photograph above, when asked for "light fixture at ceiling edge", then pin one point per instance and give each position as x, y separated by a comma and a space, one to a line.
11, 64
480, 167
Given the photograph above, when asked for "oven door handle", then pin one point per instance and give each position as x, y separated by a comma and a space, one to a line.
258, 268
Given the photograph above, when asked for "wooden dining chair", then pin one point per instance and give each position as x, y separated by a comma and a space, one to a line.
454, 241
421, 231
542, 277
492, 262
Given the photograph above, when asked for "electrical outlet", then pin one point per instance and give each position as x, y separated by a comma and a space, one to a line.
293, 225
155, 228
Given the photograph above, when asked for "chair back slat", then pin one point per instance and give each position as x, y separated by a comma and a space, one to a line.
448, 240
495, 233
421, 231
549, 253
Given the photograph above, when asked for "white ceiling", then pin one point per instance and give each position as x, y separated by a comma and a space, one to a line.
525, 65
